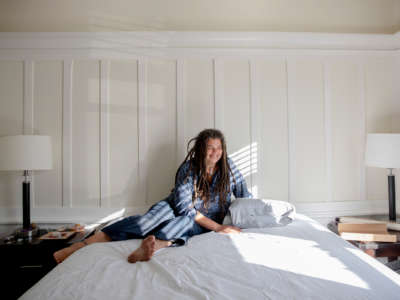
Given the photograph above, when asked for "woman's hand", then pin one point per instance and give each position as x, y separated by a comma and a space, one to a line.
212, 225
228, 229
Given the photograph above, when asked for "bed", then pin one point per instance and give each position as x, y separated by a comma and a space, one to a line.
302, 260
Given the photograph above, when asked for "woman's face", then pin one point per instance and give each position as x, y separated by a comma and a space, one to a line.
214, 151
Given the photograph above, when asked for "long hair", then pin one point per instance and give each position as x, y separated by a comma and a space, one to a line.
197, 166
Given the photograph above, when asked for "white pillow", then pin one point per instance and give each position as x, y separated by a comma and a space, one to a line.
255, 213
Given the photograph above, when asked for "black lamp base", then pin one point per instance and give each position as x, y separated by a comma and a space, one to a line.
28, 230
392, 198
26, 205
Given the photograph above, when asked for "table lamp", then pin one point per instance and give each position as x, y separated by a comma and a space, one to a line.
383, 151
25, 153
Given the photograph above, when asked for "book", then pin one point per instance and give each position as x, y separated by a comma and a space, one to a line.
366, 232
369, 237
391, 225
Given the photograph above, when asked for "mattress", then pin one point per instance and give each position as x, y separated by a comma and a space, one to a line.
302, 260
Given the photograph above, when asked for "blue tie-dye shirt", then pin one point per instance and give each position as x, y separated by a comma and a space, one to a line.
180, 198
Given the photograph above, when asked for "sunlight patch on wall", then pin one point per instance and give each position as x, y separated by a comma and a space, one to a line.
254, 191
246, 159
112, 216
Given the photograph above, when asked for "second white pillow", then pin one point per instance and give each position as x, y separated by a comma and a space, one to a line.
256, 213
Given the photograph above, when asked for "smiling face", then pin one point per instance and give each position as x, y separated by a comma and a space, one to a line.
214, 151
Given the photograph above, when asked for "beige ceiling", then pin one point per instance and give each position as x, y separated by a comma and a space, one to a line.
355, 16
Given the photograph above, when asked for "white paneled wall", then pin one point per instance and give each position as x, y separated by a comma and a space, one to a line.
123, 141
295, 125
346, 129
198, 97
86, 133
47, 120
382, 114
233, 110
307, 140
161, 105
272, 140
11, 123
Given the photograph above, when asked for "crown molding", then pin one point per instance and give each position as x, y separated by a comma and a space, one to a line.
198, 39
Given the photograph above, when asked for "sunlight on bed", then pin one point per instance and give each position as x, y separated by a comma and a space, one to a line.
287, 254
290, 262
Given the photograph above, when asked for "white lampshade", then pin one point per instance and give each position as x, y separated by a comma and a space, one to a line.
25, 152
383, 150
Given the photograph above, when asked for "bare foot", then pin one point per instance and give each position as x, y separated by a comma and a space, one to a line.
145, 251
62, 254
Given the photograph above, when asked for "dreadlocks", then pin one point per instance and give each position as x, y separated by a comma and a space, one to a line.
197, 166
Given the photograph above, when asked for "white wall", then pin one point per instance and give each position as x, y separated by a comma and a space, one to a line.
295, 120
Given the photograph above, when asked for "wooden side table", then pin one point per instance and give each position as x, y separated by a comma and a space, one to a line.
391, 250
26, 261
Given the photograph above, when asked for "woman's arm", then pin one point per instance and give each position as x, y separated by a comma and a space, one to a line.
214, 226
181, 200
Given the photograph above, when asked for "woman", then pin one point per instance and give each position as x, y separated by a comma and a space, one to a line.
204, 183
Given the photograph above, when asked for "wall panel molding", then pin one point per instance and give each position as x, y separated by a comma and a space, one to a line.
104, 133
28, 113
28, 96
255, 138
291, 128
180, 111
219, 94
361, 87
142, 126
218, 48
67, 134
328, 129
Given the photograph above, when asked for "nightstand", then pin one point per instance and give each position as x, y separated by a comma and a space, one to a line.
25, 262
388, 250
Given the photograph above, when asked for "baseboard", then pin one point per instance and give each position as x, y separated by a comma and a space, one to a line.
86, 215
324, 212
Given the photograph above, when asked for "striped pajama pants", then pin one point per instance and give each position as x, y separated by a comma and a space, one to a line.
159, 221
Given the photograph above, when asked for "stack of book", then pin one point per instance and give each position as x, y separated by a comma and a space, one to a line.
366, 232
372, 219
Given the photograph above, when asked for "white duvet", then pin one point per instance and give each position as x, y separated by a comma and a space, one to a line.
302, 260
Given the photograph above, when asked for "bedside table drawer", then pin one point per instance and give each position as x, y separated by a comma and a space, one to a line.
26, 277
30, 266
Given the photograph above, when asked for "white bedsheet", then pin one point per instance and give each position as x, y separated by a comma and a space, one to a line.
303, 260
